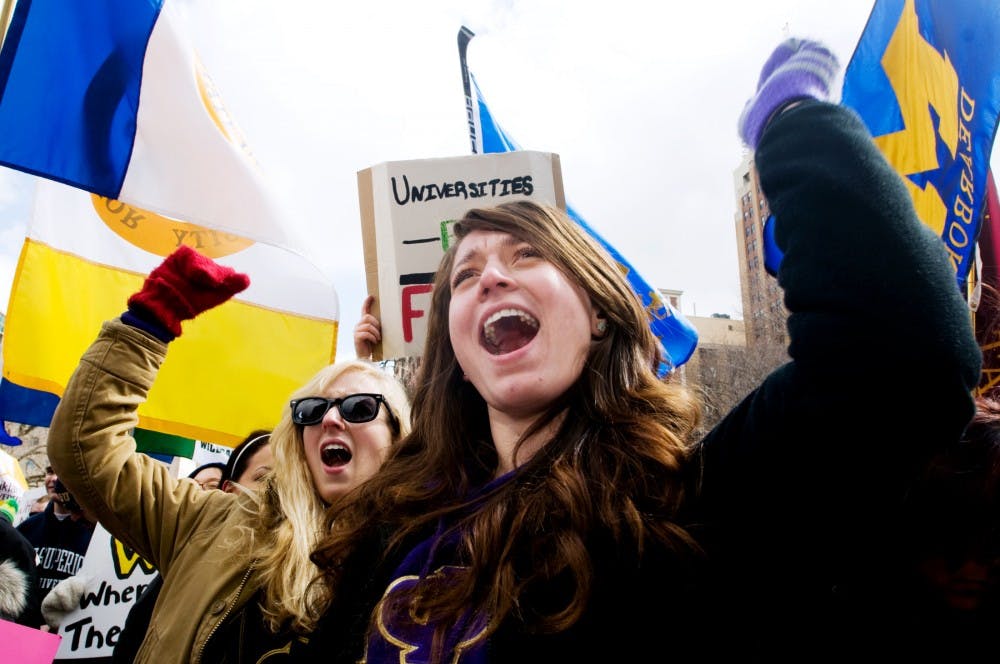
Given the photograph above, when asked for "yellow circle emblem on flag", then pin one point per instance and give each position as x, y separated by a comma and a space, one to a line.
162, 235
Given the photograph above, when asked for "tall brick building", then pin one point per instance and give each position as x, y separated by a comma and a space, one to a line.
764, 313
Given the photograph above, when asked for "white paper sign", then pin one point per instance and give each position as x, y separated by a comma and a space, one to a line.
117, 577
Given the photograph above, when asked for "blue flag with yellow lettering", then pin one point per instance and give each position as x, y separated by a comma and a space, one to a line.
925, 78
678, 337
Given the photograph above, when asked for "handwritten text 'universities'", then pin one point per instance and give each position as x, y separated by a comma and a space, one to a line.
406, 193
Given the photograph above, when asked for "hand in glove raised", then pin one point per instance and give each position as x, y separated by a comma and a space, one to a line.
184, 285
797, 69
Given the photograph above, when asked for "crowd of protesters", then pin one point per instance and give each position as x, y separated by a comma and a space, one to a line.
546, 499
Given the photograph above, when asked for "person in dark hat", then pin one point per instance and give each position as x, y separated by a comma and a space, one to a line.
60, 535
209, 475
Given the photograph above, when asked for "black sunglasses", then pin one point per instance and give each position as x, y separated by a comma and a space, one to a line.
354, 408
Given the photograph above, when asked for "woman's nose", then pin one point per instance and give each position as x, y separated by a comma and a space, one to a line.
494, 276
333, 418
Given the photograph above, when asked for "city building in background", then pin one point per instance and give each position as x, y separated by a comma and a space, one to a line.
734, 355
764, 311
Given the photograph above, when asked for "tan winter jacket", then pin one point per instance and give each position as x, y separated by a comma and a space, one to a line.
172, 523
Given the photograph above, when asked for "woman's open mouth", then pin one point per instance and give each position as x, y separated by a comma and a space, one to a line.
507, 330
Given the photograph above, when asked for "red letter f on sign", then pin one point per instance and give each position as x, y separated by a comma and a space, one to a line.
409, 313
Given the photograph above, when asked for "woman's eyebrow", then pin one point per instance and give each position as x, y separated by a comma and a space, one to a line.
507, 242
469, 255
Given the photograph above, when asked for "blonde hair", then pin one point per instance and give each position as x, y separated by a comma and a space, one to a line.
291, 511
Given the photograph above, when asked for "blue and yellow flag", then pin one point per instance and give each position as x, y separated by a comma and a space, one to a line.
678, 337
108, 97
925, 78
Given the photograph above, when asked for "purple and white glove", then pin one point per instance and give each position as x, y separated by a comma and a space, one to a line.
797, 69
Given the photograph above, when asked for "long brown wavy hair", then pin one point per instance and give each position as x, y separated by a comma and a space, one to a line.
612, 466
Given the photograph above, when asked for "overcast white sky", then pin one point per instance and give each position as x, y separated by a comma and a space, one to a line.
639, 99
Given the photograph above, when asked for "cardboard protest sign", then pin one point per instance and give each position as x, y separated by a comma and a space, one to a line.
407, 208
117, 576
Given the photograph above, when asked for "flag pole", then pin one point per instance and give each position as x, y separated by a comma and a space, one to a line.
464, 37
987, 316
6, 10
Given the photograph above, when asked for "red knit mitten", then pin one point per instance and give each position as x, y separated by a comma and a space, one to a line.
185, 284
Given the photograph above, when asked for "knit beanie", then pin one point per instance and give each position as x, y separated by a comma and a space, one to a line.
8, 509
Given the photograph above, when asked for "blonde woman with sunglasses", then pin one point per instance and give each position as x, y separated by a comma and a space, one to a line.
236, 566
